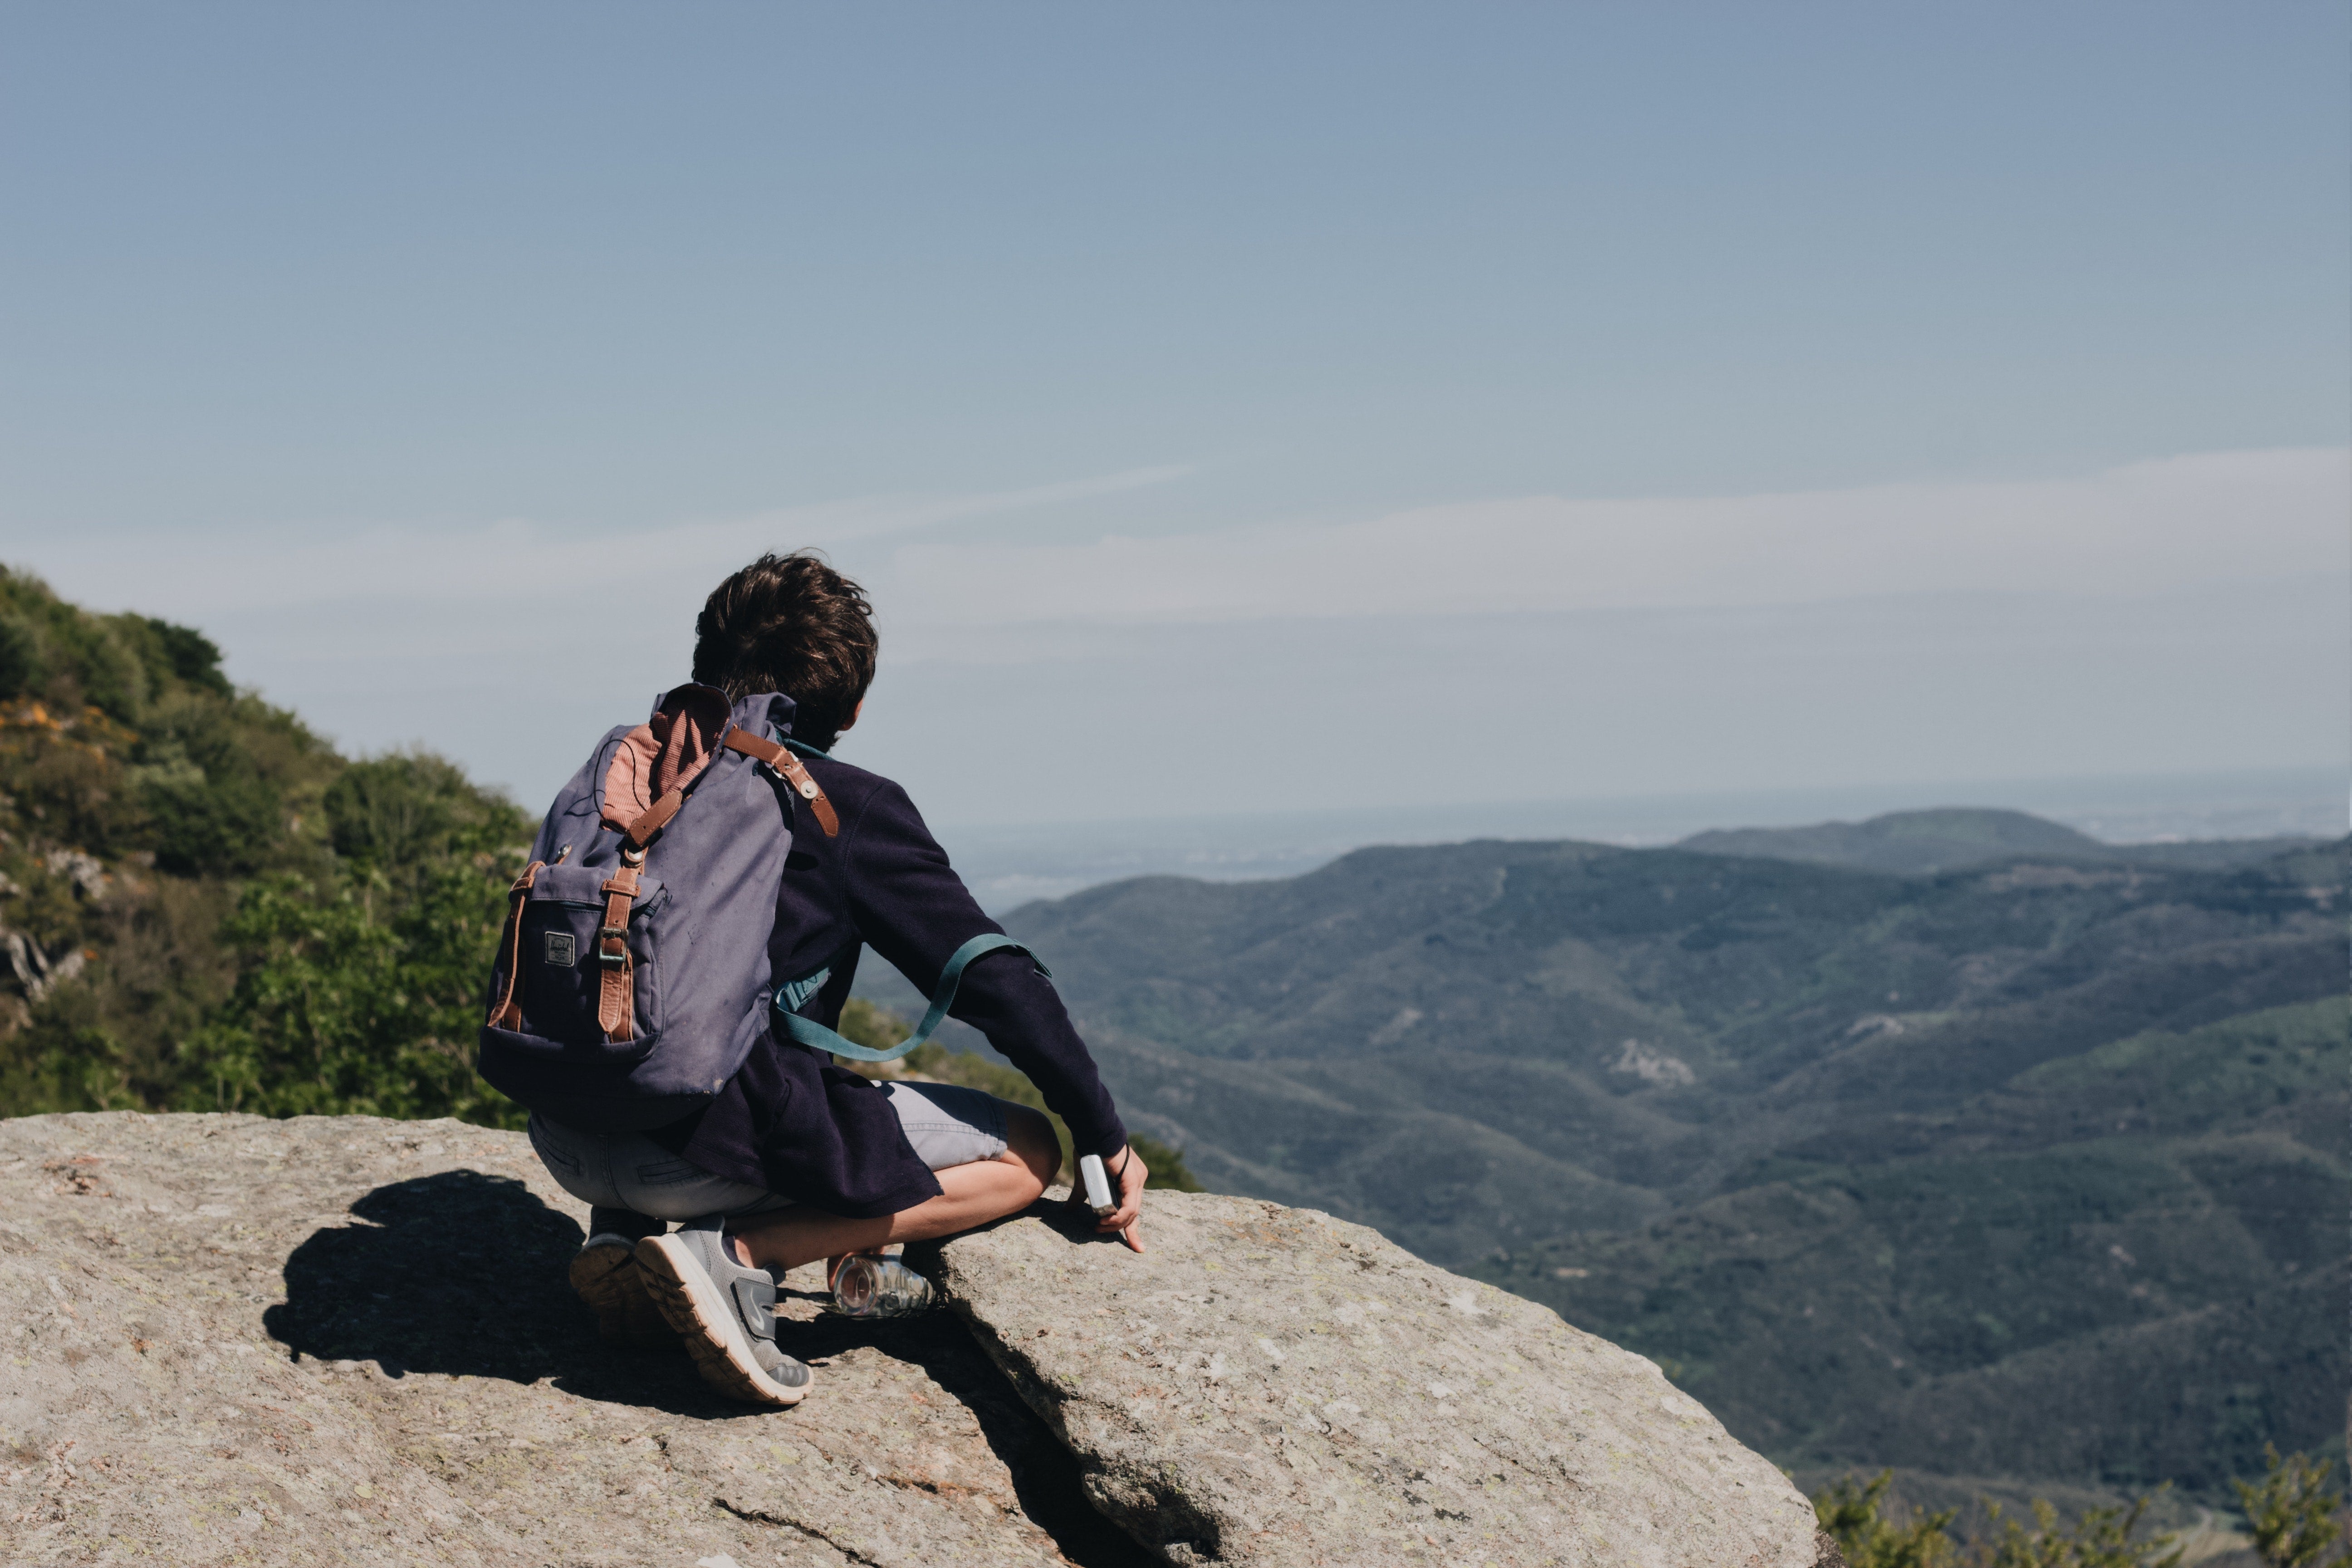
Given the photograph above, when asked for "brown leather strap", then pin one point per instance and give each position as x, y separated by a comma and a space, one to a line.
744, 743
795, 775
616, 1012
508, 1015
651, 820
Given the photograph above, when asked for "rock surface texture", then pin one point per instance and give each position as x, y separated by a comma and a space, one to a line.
1271, 1386
349, 1340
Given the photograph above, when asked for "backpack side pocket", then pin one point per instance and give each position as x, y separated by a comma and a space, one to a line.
559, 972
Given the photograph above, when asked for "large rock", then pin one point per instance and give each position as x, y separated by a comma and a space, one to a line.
1273, 1386
348, 1341
351, 1341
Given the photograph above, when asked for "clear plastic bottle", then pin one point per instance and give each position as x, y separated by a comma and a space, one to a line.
870, 1287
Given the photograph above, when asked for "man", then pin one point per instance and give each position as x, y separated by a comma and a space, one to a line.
796, 1158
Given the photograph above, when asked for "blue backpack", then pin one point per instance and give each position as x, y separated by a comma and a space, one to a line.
633, 977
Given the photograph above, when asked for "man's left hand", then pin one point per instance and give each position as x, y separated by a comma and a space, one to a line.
1127, 1173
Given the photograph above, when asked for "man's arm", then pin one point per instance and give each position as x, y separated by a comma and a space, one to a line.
910, 907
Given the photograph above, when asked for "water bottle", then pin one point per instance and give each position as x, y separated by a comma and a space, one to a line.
879, 1287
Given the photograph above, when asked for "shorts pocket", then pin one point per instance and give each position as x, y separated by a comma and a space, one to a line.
561, 1162
670, 1173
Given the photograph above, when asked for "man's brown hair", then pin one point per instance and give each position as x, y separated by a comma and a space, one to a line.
790, 623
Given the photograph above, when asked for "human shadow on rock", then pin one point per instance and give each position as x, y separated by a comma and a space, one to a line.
467, 1274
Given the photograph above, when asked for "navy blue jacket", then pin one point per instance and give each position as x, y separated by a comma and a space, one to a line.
793, 1122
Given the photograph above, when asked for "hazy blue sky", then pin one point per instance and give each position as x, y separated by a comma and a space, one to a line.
1475, 402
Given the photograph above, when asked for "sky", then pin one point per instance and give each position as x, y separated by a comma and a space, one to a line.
1232, 408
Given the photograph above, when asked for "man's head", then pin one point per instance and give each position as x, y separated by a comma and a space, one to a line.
790, 623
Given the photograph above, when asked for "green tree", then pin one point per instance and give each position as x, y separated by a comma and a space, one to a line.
22, 668
2293, 1517
359, 988
397, 815
1854, 1516
2102, 1538
353, 1001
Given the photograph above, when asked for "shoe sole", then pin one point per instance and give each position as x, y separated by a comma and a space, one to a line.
690, 1299
606, 1276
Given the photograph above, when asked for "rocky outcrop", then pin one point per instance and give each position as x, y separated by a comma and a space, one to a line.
37, 970
343, 1340
349, 1340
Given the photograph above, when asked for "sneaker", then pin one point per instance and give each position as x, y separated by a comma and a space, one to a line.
606, 1276
870, 1287
725, 1312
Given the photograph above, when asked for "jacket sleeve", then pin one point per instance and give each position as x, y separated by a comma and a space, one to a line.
910, 907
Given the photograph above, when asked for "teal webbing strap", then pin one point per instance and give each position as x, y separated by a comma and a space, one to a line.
794, 995
816, 1036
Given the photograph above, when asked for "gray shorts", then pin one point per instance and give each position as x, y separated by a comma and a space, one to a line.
946, 1123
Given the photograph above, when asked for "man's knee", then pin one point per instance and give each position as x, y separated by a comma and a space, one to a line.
1029, 1138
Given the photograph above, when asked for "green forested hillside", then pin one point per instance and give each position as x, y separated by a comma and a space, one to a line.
2035, 1169
2124, 1267
204, 906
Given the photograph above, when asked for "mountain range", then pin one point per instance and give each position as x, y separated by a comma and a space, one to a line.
1954, 1140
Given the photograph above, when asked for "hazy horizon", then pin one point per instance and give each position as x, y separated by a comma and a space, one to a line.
1010, 864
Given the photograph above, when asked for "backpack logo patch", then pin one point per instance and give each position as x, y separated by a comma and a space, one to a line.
562, 948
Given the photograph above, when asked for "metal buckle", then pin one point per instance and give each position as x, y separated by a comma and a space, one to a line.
612, 960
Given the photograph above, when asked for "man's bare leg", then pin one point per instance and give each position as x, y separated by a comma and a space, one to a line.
969, 1195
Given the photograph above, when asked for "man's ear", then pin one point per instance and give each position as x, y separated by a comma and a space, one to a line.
853, 713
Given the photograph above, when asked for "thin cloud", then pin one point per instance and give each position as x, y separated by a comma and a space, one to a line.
2144, 528
188, 576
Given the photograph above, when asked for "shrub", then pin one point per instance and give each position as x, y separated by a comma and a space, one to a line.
352, 1000
2293, 1518
1855, 1517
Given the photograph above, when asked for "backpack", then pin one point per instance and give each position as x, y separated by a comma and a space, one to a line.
632, 976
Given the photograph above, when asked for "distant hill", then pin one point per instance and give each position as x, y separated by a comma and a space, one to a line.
1919, 843
204, 907
2035, 1167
